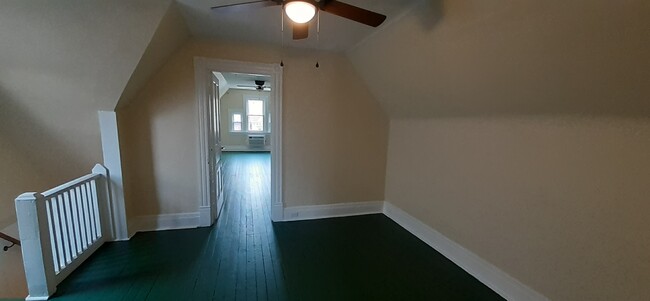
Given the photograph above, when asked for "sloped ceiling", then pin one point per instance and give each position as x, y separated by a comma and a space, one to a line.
170, 35
60, 62
237, 80
84, 51
265, 26
460, 58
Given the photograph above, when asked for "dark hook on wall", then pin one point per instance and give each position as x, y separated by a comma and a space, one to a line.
6, 248
10, 239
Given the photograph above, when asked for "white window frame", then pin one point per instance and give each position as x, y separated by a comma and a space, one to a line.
264, 114
232, 122
267, 115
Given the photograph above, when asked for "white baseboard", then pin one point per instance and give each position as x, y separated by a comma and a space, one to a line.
332, 210
277, 212
205, 216
494, 278
164, 222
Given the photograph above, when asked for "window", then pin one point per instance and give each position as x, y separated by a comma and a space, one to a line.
255, 115
236, 122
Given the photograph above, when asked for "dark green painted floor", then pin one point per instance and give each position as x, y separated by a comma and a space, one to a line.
246, 257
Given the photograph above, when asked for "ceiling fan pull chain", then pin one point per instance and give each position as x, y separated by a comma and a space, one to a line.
282, 38
317, 36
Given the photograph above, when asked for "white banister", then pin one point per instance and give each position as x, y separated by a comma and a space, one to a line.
104, 192
35, 243
61, 228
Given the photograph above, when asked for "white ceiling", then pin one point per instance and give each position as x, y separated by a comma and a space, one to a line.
235, 79
264, 25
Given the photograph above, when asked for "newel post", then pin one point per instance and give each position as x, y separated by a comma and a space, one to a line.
103, 185
36, 246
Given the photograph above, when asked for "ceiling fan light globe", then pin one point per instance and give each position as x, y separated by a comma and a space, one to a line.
300, 11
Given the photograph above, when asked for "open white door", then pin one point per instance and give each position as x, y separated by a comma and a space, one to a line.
214, 143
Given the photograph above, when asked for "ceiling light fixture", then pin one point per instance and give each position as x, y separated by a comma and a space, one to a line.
300, 11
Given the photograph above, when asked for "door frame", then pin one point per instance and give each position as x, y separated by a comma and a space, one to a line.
203, 67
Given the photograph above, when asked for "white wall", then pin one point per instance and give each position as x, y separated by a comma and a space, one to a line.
521, 130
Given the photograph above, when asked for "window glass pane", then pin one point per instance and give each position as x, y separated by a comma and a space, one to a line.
236, 126
236, 118
255, 107
255, 123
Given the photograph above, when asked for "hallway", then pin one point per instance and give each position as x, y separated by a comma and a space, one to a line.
246, 257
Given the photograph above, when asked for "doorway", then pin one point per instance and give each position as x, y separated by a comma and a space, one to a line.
210, 88
245, 115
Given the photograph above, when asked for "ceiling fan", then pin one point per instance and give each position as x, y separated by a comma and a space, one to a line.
303, 11
259, 86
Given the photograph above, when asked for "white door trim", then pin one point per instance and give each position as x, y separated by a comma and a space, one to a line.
202, 78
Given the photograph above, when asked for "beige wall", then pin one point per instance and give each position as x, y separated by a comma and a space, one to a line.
559, 203
18, 175
61, 62
170, 34
521, 130
474, 57
233, 101
329, 156
12, 279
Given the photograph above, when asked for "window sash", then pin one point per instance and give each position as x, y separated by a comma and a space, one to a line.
255, 112
236, 122
255, 123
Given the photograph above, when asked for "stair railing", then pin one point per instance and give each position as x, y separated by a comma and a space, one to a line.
62, 227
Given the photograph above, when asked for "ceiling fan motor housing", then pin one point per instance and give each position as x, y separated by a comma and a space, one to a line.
301, 29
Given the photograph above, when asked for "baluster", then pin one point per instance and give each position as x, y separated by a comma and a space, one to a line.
69, 207
82, 216
87, 217
91, 216
69, 225
53, 244
65, 237
57, 232
89, 202
75, 220
95, 201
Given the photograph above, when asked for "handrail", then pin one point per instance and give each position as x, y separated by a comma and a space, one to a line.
67, 186
60, 228
10, 239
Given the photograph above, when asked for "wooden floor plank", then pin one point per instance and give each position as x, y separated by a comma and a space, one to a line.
245, 256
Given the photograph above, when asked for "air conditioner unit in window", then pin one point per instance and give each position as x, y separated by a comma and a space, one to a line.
256, 140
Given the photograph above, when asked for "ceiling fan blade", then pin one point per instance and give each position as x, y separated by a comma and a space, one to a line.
243, 7
300, 31
353, 13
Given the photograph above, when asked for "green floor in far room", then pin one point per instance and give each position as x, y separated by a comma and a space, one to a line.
246, 257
